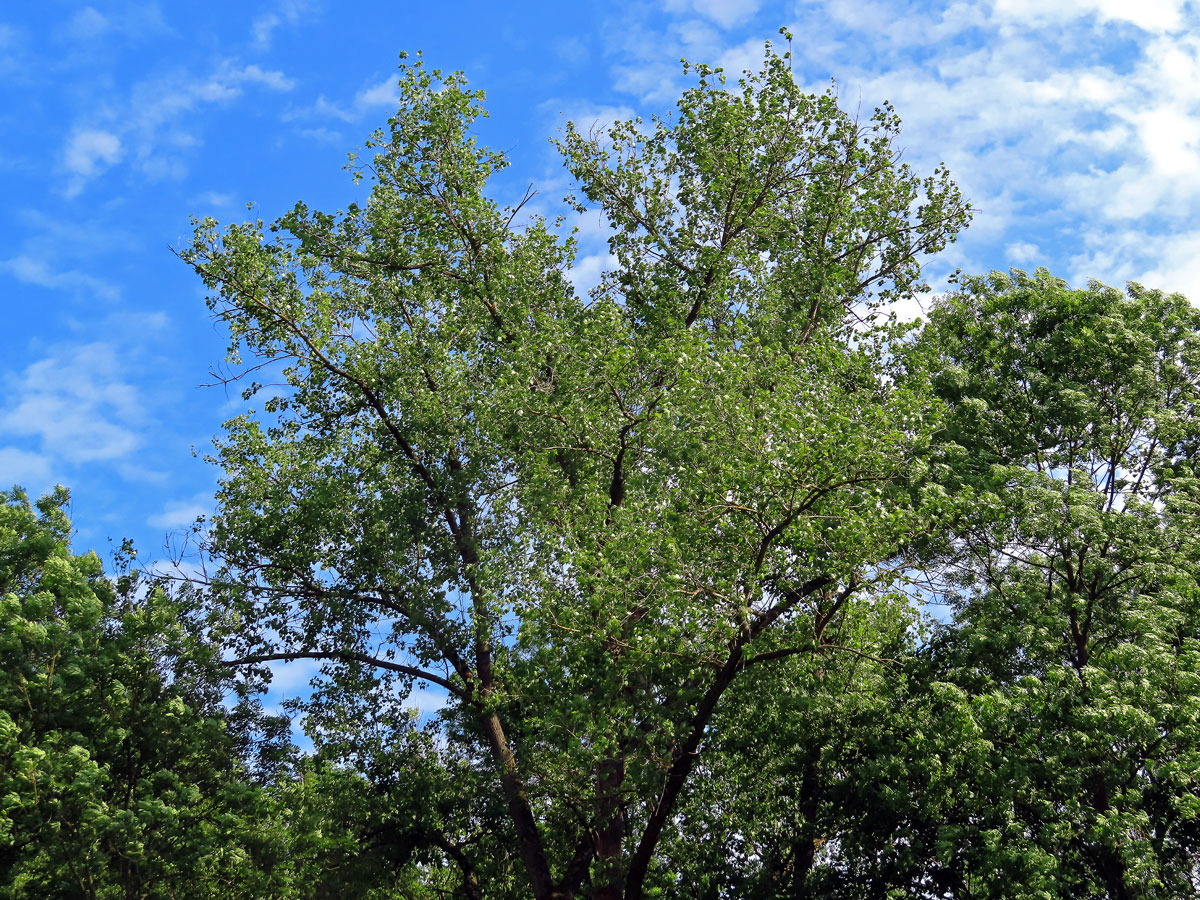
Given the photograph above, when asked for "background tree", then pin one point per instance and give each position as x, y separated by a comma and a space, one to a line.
1043, 742
132, 765
1074, 434
581, 517
120, 773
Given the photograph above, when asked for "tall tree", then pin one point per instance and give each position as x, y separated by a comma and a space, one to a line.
582, 518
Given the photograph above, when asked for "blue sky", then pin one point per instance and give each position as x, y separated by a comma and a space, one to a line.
1073, 126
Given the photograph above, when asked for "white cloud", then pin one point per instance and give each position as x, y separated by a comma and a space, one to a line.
276, 81
586, 272
571, 50
88, 24
91, 150
157, 119
1148, 15
386, 93
648, 60
124, 21
1107, 258
725, 13
285, 12
58, 253
913, 307
322, 135
264, 27
77, 404
216, 198
1177, 269
32, 270
427, 700
224, 84
598, 120
15, 62
322, 107
589, 118
377, 95
1021, 252
292, 677
182, 513
1170, 138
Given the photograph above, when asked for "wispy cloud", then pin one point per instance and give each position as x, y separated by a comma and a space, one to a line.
647, 55
725, 13
1023, 253
76, 404
589, 118
1177, 266
252, 74
155, 121
585, 274
427, 700
16, 59
376, 95
30, 470
322, 135
291, 678
182, 513
216, 198
572, 50
88, 24
57, 253
89, 151
284, 12
1149, 15
385, 93
120, 19
40, 272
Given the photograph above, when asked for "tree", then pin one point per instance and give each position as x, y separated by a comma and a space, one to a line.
132, 765
583, 518
1072, 441
121, 772
1042, 743
814, 783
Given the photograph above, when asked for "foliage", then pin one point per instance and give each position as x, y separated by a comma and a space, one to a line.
583, 518
121, 772
1043, 742
1074, 434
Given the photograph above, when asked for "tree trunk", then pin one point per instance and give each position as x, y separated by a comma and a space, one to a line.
528, 836
609, 876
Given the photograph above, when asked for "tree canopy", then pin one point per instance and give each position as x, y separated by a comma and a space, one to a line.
121, 772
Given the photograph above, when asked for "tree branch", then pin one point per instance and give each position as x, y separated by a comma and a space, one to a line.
350, 656
688, 752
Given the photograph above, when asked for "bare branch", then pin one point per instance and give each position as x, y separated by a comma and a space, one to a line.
351, 656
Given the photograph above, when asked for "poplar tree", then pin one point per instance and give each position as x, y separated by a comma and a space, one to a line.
581, 517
